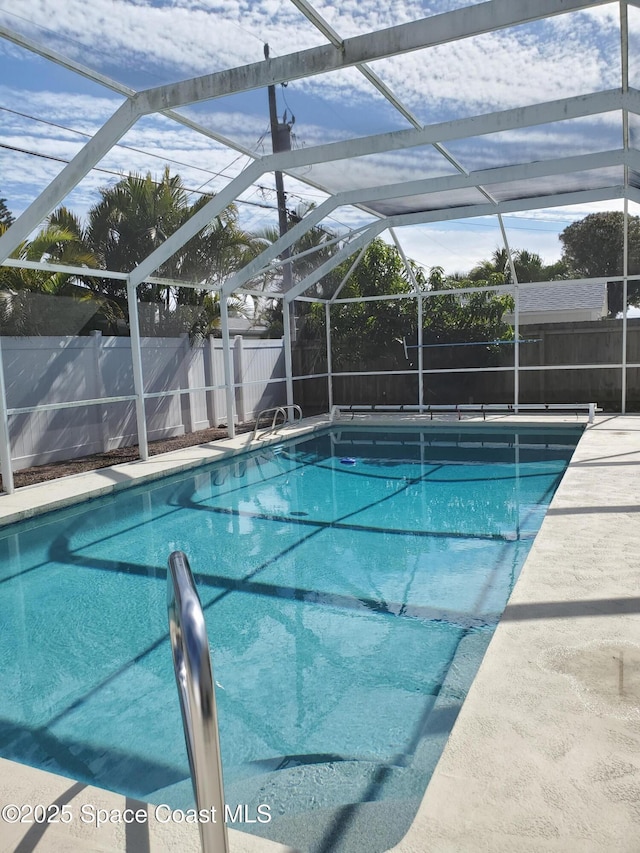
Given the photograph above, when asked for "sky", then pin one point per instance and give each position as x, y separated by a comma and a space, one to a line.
47, 112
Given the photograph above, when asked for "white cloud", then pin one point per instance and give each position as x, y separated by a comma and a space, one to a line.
146, 44
598, 20
154, 42
497, 71
569, 213
198, 155
455, 248
145, 41
354, 17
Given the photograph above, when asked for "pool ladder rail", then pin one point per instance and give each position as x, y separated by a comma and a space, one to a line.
194, 678
286, 412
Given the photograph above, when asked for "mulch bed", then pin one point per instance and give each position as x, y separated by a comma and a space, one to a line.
41, 473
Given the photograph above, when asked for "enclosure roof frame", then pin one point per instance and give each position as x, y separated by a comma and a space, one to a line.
340, 53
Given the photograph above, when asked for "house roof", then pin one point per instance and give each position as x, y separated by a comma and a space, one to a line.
565, 296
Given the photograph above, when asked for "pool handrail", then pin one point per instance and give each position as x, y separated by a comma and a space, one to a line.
194, 678
277, 410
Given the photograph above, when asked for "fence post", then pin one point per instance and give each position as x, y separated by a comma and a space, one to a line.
138, 371
327, 326
543, 373
102, 427
227, 360
5, 441
288, 359
186, 403
238, 376
210, 379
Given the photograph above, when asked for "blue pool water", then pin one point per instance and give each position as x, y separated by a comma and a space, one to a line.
348, 608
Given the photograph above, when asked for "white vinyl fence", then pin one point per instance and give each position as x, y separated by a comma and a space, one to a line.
41, 371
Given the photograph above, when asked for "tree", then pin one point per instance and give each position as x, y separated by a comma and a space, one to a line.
315, 247
381, 335
362, 331
499, 263
134, 217
465, 318
5, 214
24, 306
593, 247
529, 266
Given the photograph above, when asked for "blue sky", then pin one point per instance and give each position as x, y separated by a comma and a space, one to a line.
45, 109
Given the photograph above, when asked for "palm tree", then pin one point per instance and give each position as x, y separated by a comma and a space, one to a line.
25, 308
529, 266
137, 215
499, 263
315, 246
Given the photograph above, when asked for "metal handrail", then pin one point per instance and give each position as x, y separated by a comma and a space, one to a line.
194, 677
277, 410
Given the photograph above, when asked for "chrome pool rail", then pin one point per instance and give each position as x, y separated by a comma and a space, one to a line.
194, 677
285, 411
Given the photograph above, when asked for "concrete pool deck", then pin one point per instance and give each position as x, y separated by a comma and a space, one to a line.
545, 754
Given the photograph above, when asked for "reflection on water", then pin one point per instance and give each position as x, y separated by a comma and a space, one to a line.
348, 608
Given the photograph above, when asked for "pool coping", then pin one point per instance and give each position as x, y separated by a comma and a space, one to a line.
545, 753
527, 773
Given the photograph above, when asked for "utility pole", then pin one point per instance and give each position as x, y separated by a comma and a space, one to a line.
281, 141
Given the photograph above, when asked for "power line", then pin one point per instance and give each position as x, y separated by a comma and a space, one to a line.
262, 205
213, 174
119, 174
222, 173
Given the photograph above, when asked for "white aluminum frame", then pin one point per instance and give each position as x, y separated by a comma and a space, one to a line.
341, 53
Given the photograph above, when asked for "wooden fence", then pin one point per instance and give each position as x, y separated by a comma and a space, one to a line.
548, 346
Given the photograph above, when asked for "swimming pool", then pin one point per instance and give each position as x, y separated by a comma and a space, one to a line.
351, 582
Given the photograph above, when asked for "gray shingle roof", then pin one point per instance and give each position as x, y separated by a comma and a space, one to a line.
565, 296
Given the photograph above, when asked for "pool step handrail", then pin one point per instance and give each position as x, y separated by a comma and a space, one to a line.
286, 412
470, 408
194, 678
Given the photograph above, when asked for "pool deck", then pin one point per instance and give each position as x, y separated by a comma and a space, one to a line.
545, 754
